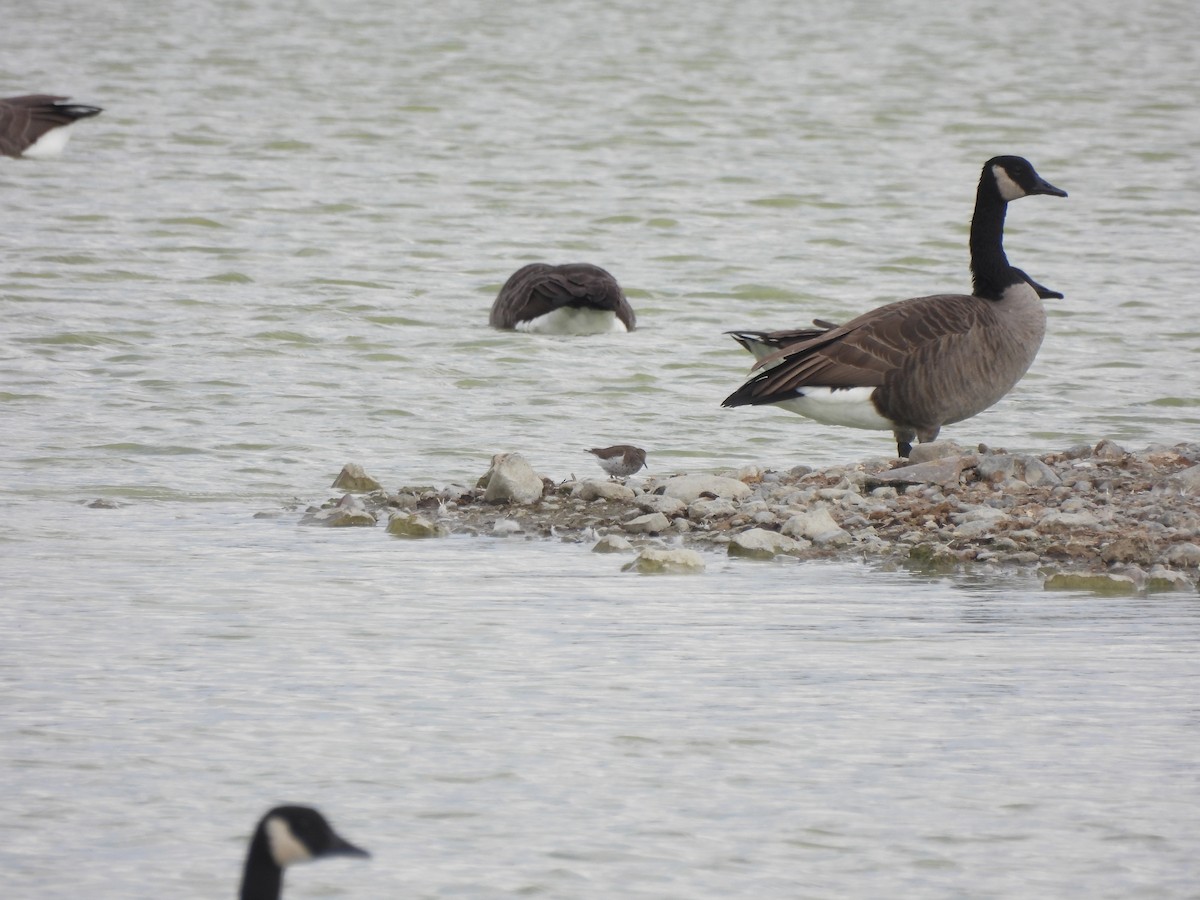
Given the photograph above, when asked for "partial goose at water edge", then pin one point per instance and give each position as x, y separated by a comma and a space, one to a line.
38, 126
287, 835
912, 366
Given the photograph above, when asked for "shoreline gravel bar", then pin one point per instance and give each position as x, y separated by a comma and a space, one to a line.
1098, 518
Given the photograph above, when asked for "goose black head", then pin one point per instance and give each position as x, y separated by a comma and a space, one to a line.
1015, 178
300, 833
287, 835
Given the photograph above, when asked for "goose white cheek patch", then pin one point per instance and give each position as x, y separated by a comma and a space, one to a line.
1008, 188
286, 848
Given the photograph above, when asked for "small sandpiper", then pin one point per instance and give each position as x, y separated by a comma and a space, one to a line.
620, 459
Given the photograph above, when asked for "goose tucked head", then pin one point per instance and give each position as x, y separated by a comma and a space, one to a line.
1016, 178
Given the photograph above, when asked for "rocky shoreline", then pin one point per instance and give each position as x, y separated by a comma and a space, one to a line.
1098, 518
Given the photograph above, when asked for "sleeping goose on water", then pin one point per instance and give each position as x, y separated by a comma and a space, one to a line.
38, 125
287, 835
576, 298
912, 366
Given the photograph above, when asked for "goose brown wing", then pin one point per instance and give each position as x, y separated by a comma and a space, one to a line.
584, 285
782, 338
18, 128
864, 352
520, 299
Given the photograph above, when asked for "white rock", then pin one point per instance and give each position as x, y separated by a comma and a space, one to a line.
1036, 472
833, 493
759, 543
970, 530
668, 506
945, 471
996, 467
348, 512
934, 450
976, 521
980, 514
1161, 578
612, 543
839, 538
413, 525
711, 509
812, 524
689, 487
1053, 518
353, 478
654, 561
596, 489
512, 479
651, 523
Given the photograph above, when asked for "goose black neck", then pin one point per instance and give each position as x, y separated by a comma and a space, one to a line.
262, 879
990, 270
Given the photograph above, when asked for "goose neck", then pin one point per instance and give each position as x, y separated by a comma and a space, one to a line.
990, 270
262, 879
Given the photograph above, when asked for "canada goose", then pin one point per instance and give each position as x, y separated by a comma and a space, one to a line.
287, 835
619, 460
38, 125
576, 298
915, 365
763, 343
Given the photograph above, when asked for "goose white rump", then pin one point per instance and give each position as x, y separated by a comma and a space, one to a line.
851, 407
568, 320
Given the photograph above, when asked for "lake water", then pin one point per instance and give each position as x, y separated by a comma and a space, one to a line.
274, 254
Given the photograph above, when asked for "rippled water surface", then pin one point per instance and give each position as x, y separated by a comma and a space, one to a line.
274, 253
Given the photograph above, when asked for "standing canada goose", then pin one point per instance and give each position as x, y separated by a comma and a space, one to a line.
576, 298
37, 126
915, 365
287, 835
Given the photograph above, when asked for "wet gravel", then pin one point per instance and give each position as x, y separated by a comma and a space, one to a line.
1099, 517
